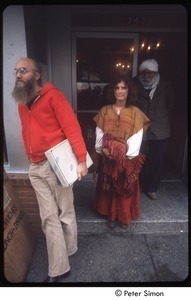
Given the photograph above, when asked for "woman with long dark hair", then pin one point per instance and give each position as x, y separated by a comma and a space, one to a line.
119, 130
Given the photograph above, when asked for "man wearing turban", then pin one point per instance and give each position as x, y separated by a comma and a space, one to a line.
156, 100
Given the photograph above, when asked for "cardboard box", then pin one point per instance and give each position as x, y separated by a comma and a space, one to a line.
18, 239
64, 162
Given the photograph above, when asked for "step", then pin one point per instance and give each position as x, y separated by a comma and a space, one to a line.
167, 214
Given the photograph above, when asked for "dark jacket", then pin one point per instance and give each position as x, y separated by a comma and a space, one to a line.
158, 110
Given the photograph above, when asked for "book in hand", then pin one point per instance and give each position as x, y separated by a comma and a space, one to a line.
64, 162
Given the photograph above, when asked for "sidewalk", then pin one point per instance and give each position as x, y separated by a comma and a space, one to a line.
153, 249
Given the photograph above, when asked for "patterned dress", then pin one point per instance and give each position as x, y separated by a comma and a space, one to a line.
117, 193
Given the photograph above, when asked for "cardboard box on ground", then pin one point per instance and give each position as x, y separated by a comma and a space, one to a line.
19, 242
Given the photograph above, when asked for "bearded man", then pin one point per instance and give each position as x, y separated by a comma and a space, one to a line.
156, 100
47, 119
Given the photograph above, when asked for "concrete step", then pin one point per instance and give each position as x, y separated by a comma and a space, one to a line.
167, 214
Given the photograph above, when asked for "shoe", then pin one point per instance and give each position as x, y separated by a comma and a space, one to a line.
56, 278
110, 224
152, 195
124, 226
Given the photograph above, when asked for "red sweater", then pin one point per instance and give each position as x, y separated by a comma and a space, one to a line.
49, 121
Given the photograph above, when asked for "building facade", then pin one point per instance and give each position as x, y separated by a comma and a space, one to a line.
81, 48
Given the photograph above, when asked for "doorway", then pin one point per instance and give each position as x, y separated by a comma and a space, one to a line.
97, 57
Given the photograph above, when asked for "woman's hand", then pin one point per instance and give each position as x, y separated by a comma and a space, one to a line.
107, 153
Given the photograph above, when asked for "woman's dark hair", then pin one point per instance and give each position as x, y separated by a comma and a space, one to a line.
132, 90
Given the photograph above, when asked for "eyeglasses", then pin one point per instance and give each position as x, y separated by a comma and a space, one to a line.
21, 71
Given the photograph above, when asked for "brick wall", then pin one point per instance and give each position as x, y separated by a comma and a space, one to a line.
26, 196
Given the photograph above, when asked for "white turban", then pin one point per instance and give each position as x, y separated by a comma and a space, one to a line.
149, 64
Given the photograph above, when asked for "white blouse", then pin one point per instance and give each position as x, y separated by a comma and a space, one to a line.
133, 143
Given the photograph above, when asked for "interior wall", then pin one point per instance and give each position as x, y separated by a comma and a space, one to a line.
59, 43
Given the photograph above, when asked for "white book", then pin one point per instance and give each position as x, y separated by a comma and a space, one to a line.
64, 162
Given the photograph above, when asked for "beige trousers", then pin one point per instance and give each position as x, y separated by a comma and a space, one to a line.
57, 216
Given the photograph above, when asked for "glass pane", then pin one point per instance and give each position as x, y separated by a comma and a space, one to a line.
98, 61
88, 130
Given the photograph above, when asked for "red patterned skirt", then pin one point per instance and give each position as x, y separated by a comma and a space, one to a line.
119, 199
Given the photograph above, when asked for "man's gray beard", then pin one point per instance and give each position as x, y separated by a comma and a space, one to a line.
146, 83
24, 94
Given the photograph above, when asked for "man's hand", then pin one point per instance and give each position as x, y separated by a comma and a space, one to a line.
82, 170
